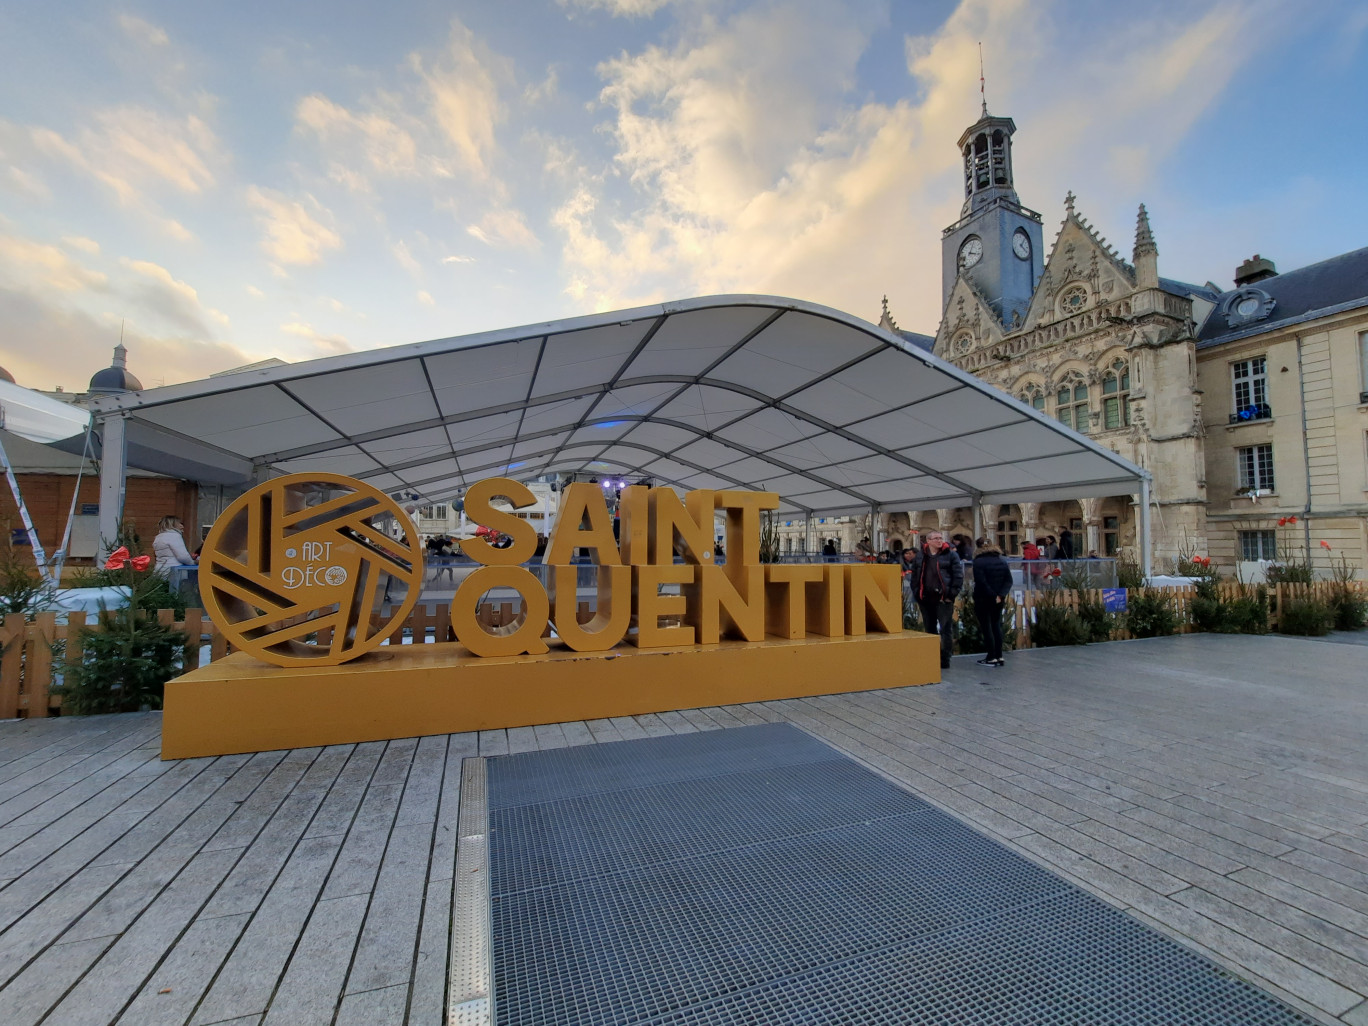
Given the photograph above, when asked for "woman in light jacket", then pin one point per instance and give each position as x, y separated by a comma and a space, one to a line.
169, 545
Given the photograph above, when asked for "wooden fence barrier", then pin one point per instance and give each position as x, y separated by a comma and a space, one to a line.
30, 650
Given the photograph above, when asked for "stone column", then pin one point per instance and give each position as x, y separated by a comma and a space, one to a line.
990, 519
1092, 525
1030, 520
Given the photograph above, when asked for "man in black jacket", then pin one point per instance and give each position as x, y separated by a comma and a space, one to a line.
937, 576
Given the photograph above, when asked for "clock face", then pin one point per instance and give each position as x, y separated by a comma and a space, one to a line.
1021, 244
1247, 307
971, 252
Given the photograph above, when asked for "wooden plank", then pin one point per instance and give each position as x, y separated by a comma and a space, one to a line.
12, 664
42, 633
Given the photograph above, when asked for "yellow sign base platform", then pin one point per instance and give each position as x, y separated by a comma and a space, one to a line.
240, 704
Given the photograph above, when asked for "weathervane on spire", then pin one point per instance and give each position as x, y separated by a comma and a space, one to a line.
982, 94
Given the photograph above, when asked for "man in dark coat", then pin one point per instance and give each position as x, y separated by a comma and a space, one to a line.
992, 585
937, 576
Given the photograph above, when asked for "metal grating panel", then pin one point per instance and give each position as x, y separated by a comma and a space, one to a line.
535, 777
778, 884
540, 845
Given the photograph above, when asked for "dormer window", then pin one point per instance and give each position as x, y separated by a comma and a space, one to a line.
1247, 306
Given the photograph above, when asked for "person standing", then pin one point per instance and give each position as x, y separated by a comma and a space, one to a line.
937, 576
1066, 548
169, 544
992, 585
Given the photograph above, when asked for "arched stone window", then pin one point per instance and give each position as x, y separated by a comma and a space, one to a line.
962, 343
1033, 396
1071, 403
1116, 396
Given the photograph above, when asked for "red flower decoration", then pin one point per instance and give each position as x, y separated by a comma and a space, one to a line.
120, 558
1056, 572
1291, 520
1325, 545
1282, 521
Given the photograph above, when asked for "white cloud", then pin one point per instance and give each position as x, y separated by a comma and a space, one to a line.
131, 148
143, 32
50, 343
406, 260
371, 140
218, 316
27, 183
504, 229
327, 345
462, 86
425, 298
753, 164
454, 259
82, 243
42, 265
255, 292
160, 274
169, 299
292, 236
618, 8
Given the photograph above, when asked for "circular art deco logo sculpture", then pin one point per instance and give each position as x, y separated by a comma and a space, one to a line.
294, 570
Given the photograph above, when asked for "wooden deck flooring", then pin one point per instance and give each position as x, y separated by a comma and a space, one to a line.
1215, 787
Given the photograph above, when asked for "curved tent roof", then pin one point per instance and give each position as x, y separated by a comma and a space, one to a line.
752, 392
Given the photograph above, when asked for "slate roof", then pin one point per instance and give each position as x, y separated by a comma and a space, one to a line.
1185, 289
927, 342
1340, 283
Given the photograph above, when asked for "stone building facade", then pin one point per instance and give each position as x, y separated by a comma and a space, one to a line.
1211, 390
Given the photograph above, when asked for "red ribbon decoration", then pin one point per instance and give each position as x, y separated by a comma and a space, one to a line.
119, 558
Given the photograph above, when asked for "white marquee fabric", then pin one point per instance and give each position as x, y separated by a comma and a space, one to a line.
751, 392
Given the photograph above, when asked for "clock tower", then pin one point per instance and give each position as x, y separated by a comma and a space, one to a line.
996, 243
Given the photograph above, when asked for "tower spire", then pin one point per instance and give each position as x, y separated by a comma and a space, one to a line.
983, 96
1146, 255
1144, 238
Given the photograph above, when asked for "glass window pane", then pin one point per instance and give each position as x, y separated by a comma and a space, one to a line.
1080, 393
1125, 379
1112, 412
1109, 384
1066, 415
1063, 396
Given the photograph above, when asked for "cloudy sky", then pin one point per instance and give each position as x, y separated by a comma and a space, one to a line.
229, 182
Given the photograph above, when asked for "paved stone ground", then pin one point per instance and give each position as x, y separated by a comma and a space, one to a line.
1215, 787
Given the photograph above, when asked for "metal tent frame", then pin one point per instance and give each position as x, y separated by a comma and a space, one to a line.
753, 392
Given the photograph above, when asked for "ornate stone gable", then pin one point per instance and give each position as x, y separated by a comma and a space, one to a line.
969, 329
1084, 277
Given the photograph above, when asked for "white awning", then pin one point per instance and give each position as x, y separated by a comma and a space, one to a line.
749, 392
40, 418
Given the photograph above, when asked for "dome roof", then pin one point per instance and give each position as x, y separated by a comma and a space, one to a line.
115, 377
7, 376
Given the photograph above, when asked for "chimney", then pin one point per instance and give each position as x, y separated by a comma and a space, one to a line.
1256, 268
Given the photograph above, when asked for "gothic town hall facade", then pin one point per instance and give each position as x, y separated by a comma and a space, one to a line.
1248, 405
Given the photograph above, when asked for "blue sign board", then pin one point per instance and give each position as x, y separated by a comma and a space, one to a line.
1114, 600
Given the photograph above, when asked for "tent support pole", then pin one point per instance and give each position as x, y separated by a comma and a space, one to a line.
1145, 526
113, 469
978, 520
807, 535
874, 542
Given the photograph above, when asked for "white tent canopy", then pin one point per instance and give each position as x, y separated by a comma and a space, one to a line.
752, 392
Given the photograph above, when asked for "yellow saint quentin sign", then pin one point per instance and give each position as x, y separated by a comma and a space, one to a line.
302, 554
